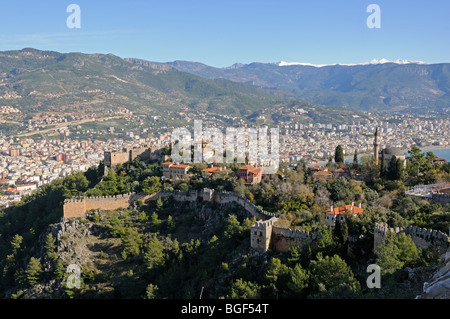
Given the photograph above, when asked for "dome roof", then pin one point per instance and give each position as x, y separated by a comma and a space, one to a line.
394, 151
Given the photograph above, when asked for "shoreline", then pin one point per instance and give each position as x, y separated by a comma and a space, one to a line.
403, 149
432, 147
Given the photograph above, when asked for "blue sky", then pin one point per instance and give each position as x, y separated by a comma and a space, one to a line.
220, 33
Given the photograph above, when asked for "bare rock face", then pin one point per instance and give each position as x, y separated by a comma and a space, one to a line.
72, 239
439, 285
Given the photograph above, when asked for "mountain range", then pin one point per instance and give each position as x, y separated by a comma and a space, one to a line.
375, 86
36, 81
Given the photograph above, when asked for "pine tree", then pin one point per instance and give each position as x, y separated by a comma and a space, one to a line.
339, 155
383, 165
341, 230
170, 224
159, 204
355, 160
59, 269
50, 247
154, 257
151, 291
395, 169
33, 271
298, 280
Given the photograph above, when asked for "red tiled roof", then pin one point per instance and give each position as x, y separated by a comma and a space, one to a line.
247, 167
345, 209
255, 171
318, 168
12, 190
180, 166
212, 169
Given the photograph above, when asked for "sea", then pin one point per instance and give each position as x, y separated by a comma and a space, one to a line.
440, 152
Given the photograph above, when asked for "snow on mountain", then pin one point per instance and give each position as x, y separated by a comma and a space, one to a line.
373, 61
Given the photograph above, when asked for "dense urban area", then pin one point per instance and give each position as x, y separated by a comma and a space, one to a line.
28, 162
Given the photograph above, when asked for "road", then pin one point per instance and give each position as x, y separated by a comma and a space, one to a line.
60, 125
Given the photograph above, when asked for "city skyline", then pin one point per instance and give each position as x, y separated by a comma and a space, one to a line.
221, 34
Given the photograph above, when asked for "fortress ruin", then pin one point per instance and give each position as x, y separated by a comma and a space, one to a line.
422, 237
264, 235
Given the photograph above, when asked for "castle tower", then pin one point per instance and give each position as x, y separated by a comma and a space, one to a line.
261, 233
376, 146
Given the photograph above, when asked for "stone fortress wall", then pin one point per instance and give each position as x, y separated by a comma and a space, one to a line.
422, 237
264, 235
114, 158
77, 207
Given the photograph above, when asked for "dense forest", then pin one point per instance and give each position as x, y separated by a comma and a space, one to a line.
168, 249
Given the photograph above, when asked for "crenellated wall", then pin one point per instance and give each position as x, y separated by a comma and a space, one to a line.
78, 207
284, 238
422, 237
263, 235
74, 208
227, 197
113, 158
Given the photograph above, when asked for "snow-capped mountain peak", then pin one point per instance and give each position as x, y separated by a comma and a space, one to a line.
373, 61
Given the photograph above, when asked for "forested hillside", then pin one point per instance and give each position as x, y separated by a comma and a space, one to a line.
168, 249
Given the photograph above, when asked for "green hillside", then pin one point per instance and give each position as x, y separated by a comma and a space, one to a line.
50, 81
42, 81
383, 87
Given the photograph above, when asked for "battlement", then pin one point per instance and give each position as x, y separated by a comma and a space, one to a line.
265, 235
226, 197
264, 224
422, 237
261, 233
145, 152
77, 207
295, 233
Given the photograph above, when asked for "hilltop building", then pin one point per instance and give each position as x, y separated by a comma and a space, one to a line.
388, 152
394, 151
207, 172
438, 160
113, 158
175, 171
250, 174
334, 213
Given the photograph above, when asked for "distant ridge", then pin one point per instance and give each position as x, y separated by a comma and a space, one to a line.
379, 85
373, 61
35, 81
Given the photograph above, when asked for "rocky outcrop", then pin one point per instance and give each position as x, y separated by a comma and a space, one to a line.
72, 239
439, 285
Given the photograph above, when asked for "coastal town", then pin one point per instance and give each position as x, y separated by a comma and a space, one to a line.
317, 142
28, 162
